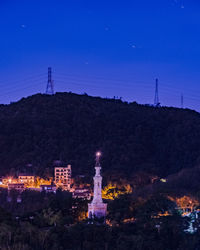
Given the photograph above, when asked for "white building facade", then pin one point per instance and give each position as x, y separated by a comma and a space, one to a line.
63, 177
97, 208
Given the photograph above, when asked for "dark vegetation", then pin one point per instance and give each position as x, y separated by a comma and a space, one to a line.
133, 138
52, 222
186, 182
138, 143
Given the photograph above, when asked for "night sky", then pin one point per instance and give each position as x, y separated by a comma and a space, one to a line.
104, 48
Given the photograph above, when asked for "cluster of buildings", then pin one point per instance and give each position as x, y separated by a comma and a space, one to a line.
62, 179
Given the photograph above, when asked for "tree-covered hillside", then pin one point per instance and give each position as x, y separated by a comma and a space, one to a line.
69, 127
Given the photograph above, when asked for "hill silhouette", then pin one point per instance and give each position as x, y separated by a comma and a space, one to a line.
41, 128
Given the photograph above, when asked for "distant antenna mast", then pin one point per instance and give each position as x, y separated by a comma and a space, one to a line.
50, 87
156, 98
182, 101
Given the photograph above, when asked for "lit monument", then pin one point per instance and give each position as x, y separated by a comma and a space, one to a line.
97, 208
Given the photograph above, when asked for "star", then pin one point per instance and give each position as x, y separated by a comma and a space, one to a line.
179, 3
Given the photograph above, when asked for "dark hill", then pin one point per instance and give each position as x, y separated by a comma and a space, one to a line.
70, 127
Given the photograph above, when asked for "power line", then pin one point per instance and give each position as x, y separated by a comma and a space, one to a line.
15, 90
114, 82
95, 84
142, 89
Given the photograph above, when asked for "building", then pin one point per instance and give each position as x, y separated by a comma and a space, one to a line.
97, 208
16, 186
82, 193
48, 188
34, 189
19, 187
26, 178
63, 177
6, 180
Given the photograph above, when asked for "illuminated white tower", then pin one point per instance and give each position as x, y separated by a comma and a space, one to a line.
97, 208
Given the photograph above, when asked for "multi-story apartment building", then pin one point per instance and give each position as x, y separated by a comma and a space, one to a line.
63, 177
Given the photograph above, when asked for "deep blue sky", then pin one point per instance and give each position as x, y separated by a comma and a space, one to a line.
107, 48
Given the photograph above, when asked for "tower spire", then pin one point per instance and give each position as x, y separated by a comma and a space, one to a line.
97, 208
98, 155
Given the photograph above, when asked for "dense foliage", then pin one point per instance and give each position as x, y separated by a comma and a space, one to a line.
69, 127
52, 221
139, 143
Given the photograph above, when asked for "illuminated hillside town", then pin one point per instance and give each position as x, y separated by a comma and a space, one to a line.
97, 208
93, 195
62, 180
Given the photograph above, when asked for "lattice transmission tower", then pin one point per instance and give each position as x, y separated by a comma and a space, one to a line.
182, 100
50, 85
156, 98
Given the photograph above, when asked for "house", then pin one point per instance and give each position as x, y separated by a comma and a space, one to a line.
26, 178
6, 180
16, 186
82, 193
